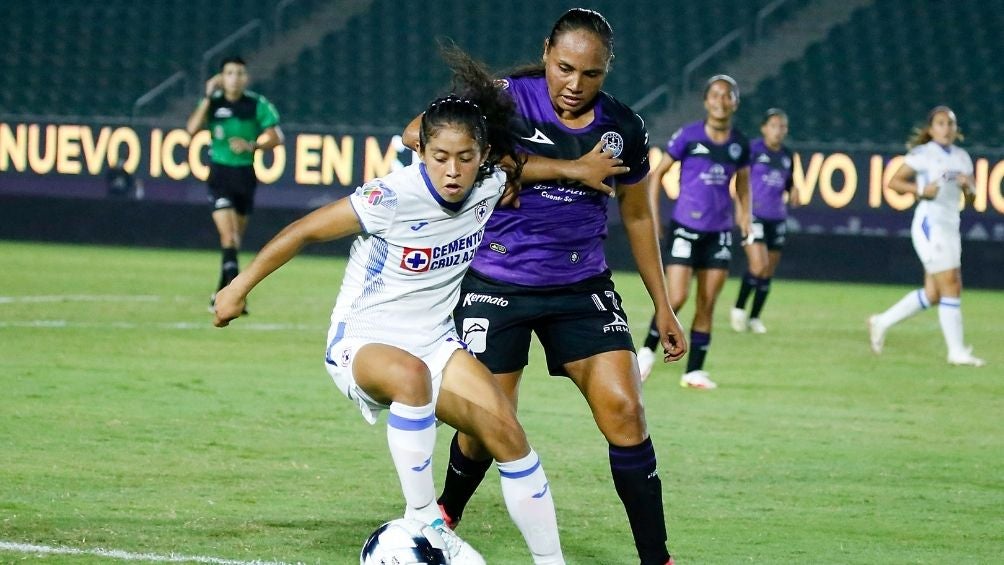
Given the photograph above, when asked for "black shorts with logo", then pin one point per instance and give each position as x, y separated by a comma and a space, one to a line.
770, 232
232, 187
697, 249
573, 322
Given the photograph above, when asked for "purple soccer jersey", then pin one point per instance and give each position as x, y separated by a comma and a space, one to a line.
706, 169
770, 178
556, 235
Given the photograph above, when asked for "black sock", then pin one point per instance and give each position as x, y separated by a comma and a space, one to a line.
760, 297
463, 475
653, 338
699, 344
748, 284
640, 489
228, 266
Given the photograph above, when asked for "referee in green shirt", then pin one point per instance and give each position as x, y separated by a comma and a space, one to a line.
240, 122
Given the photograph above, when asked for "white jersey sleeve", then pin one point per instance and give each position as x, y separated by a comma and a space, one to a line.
376, 205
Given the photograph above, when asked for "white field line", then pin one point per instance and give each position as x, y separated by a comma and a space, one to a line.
127, 555
79, 298
207, 325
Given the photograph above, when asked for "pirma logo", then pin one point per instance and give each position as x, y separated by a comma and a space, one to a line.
416, 260
476, 334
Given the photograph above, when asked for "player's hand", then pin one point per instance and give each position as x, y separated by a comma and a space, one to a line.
240, 145
794, 199
596, 166
228, 306
214, 83
930, 191
674, 342
510, 196
745, 225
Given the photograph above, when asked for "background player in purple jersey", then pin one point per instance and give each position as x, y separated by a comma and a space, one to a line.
541, 268
770, 178
699, 237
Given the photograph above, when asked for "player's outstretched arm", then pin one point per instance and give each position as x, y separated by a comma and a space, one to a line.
639, 223
324, 224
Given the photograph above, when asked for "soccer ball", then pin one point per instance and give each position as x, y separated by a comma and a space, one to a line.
404, 542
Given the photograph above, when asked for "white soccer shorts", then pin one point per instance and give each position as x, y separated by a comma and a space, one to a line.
938, 246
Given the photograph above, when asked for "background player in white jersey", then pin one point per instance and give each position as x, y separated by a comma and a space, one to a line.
940, 174
392, 343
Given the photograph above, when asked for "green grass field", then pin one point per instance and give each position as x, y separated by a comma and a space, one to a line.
128, 423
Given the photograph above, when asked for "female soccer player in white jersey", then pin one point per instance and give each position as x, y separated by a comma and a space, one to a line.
392, 342
939, 173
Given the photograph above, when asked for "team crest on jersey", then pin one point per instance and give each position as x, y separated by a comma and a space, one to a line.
346, 357
786, 161
376, 193
735, 150
416, 260
481, 212
613, 142
502, 83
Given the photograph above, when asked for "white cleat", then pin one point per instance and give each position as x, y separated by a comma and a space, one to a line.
697, 379
461, 552
757, 327
646, 359
966, 358
876, 334
739, 319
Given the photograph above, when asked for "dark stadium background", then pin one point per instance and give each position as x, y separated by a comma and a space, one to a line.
92, 95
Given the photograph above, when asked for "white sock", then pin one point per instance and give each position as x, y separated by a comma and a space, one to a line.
527, 495
411, 437
914, 301
950, 316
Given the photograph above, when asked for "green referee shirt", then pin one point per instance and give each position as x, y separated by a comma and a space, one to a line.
246, 118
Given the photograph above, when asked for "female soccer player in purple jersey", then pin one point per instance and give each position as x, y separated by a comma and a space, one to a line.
393, 344
541, 268
699, 237
770, 178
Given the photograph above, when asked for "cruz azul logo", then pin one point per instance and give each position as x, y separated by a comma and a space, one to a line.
458, 252
416, 260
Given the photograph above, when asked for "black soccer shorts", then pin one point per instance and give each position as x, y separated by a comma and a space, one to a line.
770, 232
697, 249
572, 323
232, 187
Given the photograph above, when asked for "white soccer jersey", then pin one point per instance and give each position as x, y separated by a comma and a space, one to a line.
932, 162
404, 271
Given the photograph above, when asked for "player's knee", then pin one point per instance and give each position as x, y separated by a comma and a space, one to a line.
505, 440
413, 384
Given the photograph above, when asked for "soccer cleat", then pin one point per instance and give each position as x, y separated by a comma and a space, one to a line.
646, 359
876, 334
757, 327
697, 379
670, 562
461, 552
450, 522
738, 318
966, 358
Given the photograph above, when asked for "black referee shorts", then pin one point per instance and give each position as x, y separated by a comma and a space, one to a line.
232, 187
